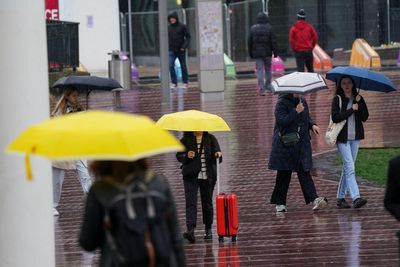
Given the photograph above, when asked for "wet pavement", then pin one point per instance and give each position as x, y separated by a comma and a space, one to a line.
300, 237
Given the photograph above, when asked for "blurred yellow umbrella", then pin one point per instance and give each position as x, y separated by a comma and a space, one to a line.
192, 120
99, 135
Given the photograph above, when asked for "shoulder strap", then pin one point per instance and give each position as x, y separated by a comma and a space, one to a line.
340, 102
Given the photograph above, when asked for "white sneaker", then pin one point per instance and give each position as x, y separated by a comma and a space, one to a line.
185, 85
320, 203
55, 212
173, 86
280, 208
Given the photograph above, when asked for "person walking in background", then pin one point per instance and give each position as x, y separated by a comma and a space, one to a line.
179, 39
130, 215
68, 103
199, 171
354, 110
294, 153
261, 46
392, 194
302, 39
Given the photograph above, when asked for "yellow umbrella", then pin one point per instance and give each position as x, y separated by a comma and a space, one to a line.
99, 135
192, 120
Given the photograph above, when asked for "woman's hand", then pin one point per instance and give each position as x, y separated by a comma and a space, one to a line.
218, 154
191, 154
354, 106
299, 108
315, 129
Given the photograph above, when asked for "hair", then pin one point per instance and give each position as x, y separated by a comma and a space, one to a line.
118, 170
61, 106
339, 89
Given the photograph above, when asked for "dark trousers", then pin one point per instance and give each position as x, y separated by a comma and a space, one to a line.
282, 186
182, 60
206, 191
304, 58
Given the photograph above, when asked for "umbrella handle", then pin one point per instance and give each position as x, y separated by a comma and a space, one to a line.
217, 159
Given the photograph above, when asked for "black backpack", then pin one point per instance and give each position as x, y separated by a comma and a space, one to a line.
130, 213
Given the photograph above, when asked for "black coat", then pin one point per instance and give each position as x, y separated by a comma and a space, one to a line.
210, 145
178, 35
93, 235
262, 40
392, 195
287, 120
339, 115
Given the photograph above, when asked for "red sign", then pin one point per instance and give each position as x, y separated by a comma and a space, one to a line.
52, 11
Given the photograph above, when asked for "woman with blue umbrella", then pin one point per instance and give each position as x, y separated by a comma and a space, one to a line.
350, 106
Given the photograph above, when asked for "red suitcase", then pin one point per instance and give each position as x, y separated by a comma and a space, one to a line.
227, 214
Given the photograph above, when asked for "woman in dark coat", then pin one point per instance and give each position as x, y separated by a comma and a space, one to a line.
392, 194
291, 116
199, 171
354, 111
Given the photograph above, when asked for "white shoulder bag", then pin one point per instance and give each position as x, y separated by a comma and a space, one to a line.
334, 128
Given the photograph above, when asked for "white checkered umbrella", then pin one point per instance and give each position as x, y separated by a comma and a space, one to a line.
298, 83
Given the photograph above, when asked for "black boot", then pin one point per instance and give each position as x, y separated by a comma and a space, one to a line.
208, 233
189, 235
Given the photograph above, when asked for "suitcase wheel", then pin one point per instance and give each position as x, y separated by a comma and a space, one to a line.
220, 239
234, 238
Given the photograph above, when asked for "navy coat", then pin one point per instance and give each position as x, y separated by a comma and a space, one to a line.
287, 120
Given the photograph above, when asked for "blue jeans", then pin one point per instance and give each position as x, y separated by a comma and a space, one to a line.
83, 175
263, 66
348, 152
182, 60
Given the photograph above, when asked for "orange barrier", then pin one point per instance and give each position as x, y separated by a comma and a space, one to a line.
363, 55
322, 61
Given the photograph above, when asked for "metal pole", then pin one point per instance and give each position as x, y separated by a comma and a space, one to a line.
263, 6
388, 19
228, 30
130, 30
266, 10
184, 21
163, 36
123, 31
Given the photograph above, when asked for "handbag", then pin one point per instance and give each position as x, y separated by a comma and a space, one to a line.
290, 139
192, 168
334, 128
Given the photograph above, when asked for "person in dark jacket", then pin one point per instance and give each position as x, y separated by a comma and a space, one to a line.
261, 46
199, 171
179, 39
302, 39
292, 116
355, 111
392, 194
131, 236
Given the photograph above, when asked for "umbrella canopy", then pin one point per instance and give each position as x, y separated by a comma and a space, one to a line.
298, 83
86, 83
192, 120
363, 78
99, 135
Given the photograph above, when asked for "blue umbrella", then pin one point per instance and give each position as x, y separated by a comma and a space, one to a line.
363, 78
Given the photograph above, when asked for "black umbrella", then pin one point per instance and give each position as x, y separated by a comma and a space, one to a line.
86, 84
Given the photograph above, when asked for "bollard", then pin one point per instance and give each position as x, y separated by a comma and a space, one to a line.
117, 98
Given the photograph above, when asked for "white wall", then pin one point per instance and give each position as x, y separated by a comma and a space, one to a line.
98, 36
26, 223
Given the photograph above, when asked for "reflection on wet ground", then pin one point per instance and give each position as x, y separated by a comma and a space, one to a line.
300, 237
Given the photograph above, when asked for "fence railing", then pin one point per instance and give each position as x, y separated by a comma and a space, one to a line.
338, 24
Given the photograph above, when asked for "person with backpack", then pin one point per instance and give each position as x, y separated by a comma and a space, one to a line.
130, 215
199, 171
261, 46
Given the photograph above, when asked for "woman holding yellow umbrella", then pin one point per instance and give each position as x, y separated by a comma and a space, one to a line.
199, 168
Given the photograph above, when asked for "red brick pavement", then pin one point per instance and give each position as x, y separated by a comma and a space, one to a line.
330, 237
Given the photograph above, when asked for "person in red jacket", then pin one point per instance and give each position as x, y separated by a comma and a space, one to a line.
302, 39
